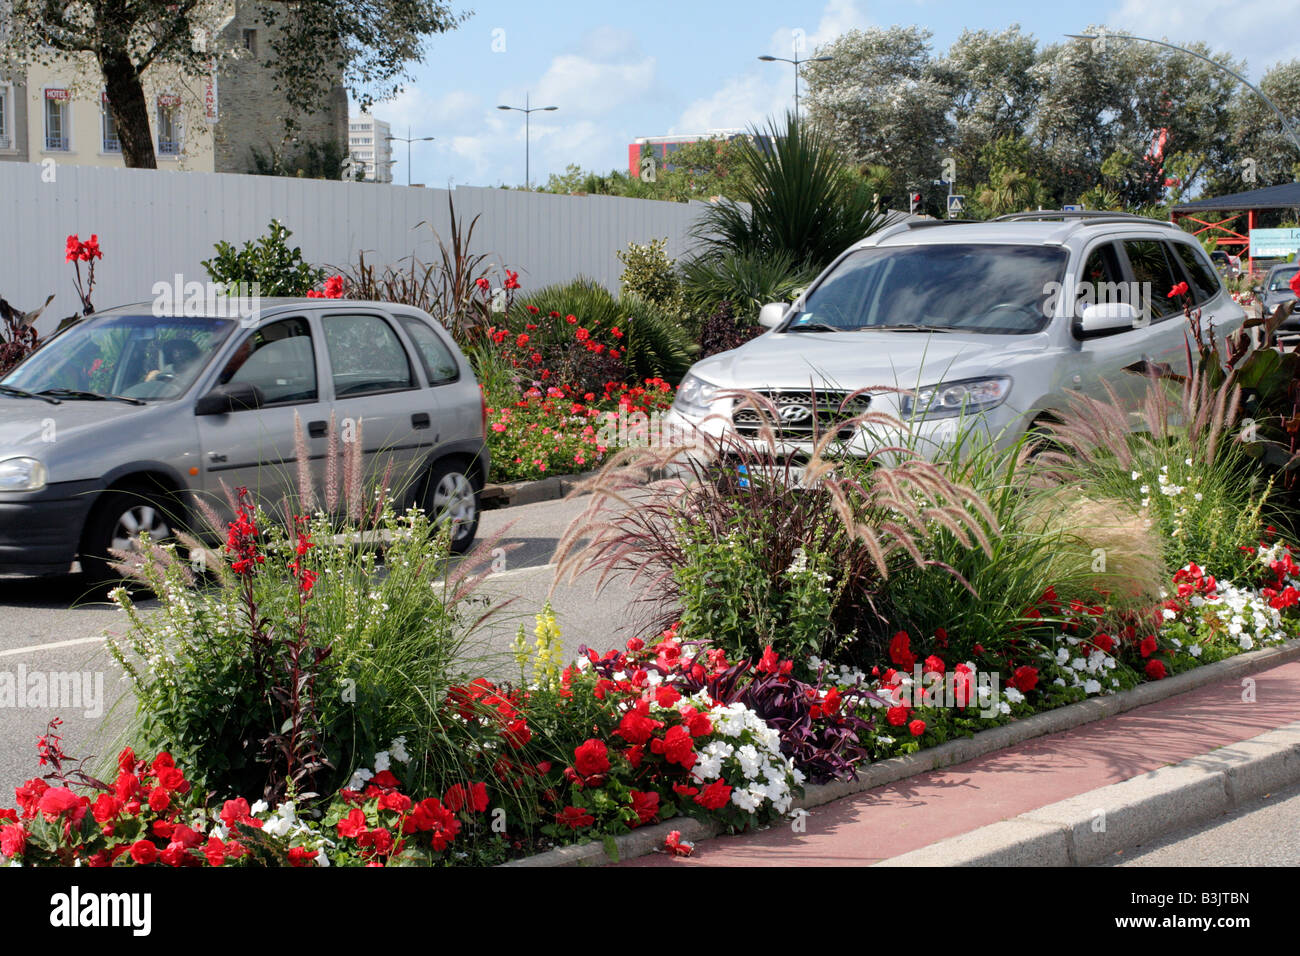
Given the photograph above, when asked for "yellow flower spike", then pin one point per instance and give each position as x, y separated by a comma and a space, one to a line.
520, 650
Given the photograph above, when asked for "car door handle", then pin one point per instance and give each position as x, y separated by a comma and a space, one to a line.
317, 429
420, 420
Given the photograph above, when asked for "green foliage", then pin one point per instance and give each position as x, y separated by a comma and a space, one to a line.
394, 640
326, 159
648, 272
747, 280
700, 170
658, 346
268, 261
800, 199
730, 597
656, 343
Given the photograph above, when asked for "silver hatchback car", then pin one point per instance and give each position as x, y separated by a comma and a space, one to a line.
119, 423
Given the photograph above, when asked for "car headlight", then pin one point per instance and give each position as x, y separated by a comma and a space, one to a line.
21, 474
695, 395
950, 399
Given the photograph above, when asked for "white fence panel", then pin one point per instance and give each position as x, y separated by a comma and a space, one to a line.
154, 224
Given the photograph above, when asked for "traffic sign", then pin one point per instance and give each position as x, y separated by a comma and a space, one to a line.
955, 205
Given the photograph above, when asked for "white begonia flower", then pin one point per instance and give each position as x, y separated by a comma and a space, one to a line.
1013, 695
383, 761
1059, 682
1194, 650
398, 749
1062, 655
259, 806
1091, 686
1168, 614
1246, 642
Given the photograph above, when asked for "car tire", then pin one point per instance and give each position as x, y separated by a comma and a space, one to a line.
115, 522
451, 488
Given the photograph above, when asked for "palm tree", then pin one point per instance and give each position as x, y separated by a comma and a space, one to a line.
795, 196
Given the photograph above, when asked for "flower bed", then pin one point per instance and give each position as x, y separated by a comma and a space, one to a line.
663, 729
556, 390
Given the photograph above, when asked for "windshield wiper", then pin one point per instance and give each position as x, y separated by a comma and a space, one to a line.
814, 327
92, 396
902, 327
23, 393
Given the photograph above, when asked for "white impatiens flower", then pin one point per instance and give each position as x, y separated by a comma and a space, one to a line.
383, 761
259, 806
1013, 695
359, 778
1091, 686
1168, 614
398, 749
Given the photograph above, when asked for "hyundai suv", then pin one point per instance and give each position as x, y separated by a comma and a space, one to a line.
117, 425
998, 321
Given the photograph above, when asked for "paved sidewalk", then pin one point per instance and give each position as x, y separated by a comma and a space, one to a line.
922, 810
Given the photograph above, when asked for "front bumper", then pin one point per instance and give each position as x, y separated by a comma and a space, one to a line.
927, 438
40, 531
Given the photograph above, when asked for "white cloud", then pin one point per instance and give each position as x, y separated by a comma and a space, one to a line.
767, 89
582, 86
1245, 28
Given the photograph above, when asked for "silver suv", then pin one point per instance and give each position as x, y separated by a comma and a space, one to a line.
118, 423
997, 321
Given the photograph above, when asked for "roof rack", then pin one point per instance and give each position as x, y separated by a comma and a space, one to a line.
905, 225
1090, 215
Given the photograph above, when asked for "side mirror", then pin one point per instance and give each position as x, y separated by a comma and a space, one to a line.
235, 397
1101, 318
770, 315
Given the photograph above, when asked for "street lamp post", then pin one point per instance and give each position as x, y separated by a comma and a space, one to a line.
796, 62
528, 111
1200, 56
408, 140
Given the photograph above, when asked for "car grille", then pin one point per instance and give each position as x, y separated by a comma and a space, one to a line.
801, 414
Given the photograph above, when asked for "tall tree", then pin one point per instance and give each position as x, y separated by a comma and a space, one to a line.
995, 94
1262, 154
368, 43
884, 101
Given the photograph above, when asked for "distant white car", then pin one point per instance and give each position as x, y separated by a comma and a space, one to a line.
997, 320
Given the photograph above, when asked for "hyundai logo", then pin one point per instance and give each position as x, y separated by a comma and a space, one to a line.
791, 414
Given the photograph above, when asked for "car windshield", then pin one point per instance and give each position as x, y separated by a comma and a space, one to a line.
1281, 281
143, 357
1000, 289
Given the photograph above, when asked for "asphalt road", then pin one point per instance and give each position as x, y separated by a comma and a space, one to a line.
51, 625
1261, 833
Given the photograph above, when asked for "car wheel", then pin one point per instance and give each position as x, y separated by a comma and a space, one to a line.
452, 494
116, 523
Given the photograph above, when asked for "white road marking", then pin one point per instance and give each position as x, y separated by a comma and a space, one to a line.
51, 647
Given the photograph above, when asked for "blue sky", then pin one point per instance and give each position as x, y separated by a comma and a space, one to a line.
622, 70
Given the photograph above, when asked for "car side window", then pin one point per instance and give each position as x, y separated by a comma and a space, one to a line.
365, 355
439, 365
278, 358
1154, 276
1101, 280
1202, 280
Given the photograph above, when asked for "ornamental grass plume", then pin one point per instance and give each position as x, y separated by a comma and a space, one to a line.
867, 523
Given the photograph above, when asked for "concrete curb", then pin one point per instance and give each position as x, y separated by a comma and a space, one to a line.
511, 494
649, 839
1092, 826
514, 493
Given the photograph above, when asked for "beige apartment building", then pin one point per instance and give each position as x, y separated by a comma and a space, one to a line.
207, 123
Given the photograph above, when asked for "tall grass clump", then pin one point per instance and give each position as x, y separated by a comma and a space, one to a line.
748, 549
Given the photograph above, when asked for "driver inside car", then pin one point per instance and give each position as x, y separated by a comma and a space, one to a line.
174, 357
